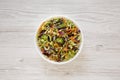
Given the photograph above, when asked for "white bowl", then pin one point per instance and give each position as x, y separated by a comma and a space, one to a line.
51, 61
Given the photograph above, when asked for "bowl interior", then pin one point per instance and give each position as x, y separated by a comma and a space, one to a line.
63, 62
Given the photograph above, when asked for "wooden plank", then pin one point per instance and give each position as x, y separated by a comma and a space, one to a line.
99, 59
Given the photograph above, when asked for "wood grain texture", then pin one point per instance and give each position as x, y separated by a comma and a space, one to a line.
99, 59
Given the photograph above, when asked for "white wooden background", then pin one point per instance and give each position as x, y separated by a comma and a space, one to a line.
99, 59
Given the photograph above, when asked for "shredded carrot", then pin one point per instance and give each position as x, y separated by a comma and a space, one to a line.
56, 45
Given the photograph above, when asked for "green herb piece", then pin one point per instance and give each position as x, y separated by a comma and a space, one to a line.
60, 40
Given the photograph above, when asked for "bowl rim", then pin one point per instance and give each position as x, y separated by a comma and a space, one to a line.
39, 51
